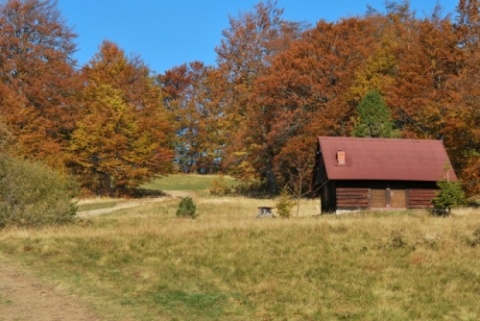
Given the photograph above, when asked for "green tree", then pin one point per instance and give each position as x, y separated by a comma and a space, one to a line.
374, 117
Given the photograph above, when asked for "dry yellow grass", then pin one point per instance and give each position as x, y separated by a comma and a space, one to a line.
228, 265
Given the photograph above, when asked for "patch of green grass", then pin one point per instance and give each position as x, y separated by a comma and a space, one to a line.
228, 265
195, 183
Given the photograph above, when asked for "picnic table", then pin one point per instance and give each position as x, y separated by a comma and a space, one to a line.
265, 211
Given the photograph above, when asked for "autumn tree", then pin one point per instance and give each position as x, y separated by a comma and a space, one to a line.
123, 137
294, 165
7, 140
380, 68
245, 53
189, 93
248, 46
462, 133
303, 93
424, 59
470, 171
37, 82
214, 122
176, 84
434, 76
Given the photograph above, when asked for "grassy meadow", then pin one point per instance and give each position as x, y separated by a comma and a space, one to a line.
144, 263
199, 184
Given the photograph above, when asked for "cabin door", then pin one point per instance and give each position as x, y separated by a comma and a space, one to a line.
398, 198
387, 198
378, 198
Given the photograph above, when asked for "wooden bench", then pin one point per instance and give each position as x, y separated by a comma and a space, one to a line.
265, 211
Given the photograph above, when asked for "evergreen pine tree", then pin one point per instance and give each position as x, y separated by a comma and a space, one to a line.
375, 119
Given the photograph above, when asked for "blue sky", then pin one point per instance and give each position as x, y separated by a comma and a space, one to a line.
165, 34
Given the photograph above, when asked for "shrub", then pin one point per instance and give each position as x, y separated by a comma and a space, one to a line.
284, 204
450, 195
32, 194
187, 208
219, 187
476, 238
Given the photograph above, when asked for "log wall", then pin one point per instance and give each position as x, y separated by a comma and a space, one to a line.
352, 198
348, 198
420, 198
362, 198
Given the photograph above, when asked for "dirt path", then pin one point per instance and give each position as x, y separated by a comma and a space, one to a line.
123, 205
22, 298
134, 203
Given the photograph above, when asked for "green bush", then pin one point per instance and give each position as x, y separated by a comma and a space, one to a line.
187, 208
450, 195
284, 204
32, 194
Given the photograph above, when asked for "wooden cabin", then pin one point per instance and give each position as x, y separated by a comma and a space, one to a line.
378, 173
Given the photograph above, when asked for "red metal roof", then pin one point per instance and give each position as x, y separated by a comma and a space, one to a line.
386, 159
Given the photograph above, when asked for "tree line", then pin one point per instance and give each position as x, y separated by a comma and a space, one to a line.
114, 123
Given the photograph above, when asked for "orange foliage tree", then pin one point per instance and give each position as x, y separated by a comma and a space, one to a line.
426, 62
303, 94
37, 82
462, 133
191, 95
276, 88
123, 136
245, 54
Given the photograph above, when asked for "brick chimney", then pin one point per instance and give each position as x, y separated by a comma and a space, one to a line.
341, 157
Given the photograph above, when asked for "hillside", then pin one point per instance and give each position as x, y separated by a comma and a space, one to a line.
143, 263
